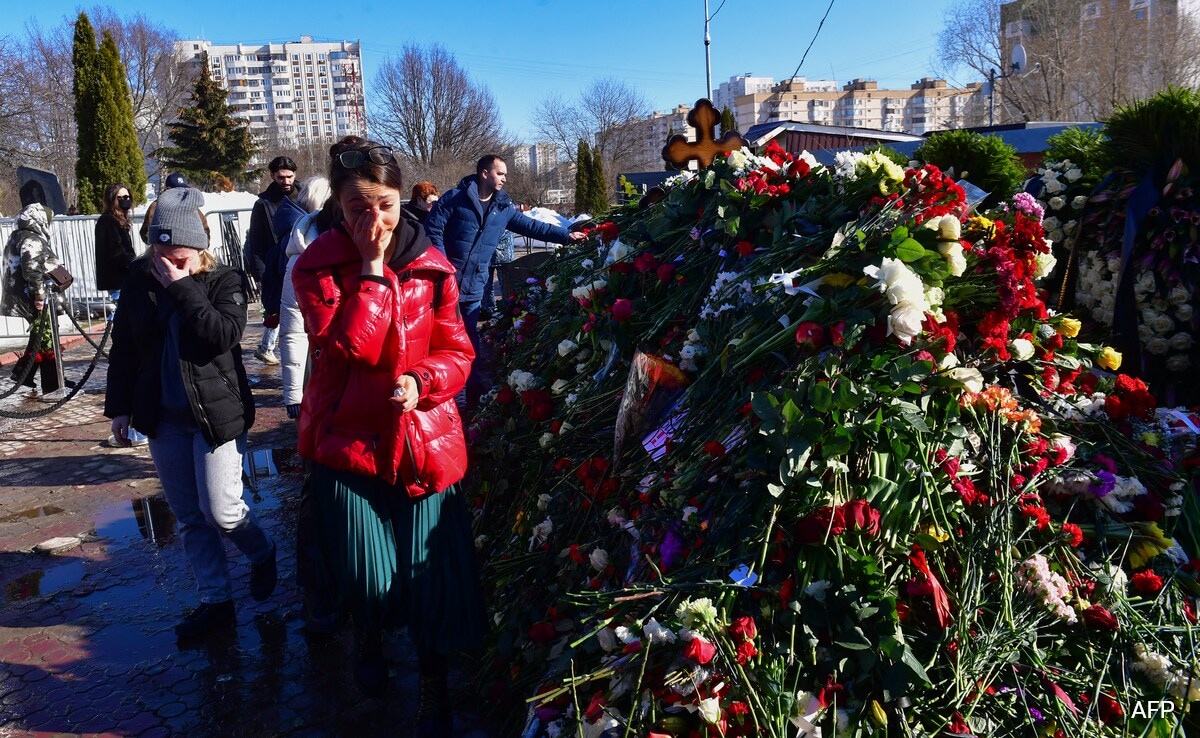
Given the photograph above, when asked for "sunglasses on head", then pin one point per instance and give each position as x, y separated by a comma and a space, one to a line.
355, 158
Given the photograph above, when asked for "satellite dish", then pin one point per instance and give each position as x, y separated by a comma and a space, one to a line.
1019, 60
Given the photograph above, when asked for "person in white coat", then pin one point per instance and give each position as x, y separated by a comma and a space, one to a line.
293, 341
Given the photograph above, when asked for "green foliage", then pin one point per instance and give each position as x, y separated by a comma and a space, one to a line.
85, 89
599, 191
1153, 134
986, 161
583, 177
209, 143
1086, 148
728, 122
118, 155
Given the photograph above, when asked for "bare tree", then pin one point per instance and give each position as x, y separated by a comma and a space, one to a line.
527, 187
1089, 56
597, 117
433, 112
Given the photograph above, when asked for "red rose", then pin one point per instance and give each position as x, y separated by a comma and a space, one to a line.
506, 395
822, 522
716, 449
595, 708
745, 248
539, 404
622, 310
542, 632
1098, 617
645, 262
811, 334
1147, 582
743, 629
622, 267
861, 517
666, 272
700, 650
837, 333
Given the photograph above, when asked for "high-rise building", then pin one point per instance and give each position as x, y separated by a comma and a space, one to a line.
291, 93
727, 93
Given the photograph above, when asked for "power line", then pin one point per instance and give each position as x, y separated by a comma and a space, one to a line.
814, 38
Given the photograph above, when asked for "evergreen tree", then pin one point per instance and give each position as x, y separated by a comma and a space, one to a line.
118, 155
599, 192
727, 121
209, 142
85, 88
583, 177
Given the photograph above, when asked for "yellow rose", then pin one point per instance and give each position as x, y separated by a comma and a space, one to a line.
1109, 359
1068, 327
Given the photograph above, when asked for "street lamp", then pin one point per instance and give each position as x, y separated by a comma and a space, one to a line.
1018, 64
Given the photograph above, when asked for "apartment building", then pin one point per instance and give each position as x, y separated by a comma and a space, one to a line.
927, 105
648, 135
727, 93
290, 93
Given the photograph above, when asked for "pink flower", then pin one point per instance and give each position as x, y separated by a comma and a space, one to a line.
622, 310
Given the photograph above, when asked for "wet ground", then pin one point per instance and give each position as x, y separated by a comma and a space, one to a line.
86, 639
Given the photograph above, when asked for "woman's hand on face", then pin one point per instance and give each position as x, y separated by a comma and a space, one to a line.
372, 236
406, 395
166, 271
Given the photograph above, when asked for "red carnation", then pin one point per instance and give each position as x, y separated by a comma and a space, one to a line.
666, 272
608, 231
542, 632
745, 652
1146, 582
645, 262
1073, 533
745, 248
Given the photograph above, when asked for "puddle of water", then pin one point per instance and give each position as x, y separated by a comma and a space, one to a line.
146, 518
37, 512
44, 581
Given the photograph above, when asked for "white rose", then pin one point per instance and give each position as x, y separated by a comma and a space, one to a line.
1184, 313
1158, 346
1114, 264
1079, 201
543, 502
1056, 203
710, 709
1178, 295
1181, 341
905, 321
550, 284
599, 559
969, 378
1051, 223
558, 386
1162, 324
1057, 235
1043, 264
736, 159
1022, 349
566, 347
1073, 174
949, 228
953, 253
546, 440
1069, 226
1178, 363
1054, 187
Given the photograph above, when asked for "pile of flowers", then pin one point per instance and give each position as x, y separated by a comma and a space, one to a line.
799, 451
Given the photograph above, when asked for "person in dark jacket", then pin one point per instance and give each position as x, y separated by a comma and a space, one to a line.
176, 375
261, 237
424, 195
114, 253
114, 242
379, 425
466, 224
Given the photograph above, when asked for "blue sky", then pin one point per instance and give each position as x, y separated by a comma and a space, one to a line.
524, 50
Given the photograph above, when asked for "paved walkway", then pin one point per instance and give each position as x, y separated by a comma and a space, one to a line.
86, 640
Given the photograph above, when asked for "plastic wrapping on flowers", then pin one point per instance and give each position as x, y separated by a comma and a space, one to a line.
882, 491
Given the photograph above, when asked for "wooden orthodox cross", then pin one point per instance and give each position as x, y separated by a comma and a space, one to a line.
704, 118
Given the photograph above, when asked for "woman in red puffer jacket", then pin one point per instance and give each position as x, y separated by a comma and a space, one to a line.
379, 424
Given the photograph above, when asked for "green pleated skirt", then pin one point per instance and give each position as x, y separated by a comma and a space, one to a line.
394, 561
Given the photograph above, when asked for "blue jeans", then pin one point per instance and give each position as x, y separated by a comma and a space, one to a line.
203, 485
269, 339
468, 398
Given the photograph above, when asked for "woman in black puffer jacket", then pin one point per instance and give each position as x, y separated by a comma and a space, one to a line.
176, 374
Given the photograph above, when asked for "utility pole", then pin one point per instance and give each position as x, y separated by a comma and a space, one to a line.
707, 55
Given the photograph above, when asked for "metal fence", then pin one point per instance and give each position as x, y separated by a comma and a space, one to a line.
73, 238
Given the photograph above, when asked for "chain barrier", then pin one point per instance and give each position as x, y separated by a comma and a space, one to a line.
51, 308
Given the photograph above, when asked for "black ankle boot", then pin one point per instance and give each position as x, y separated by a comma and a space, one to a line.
433, 707
370, 667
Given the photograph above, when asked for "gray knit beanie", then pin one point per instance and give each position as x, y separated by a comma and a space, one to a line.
177, 219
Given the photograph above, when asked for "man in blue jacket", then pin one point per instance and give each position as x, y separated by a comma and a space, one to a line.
466, 224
